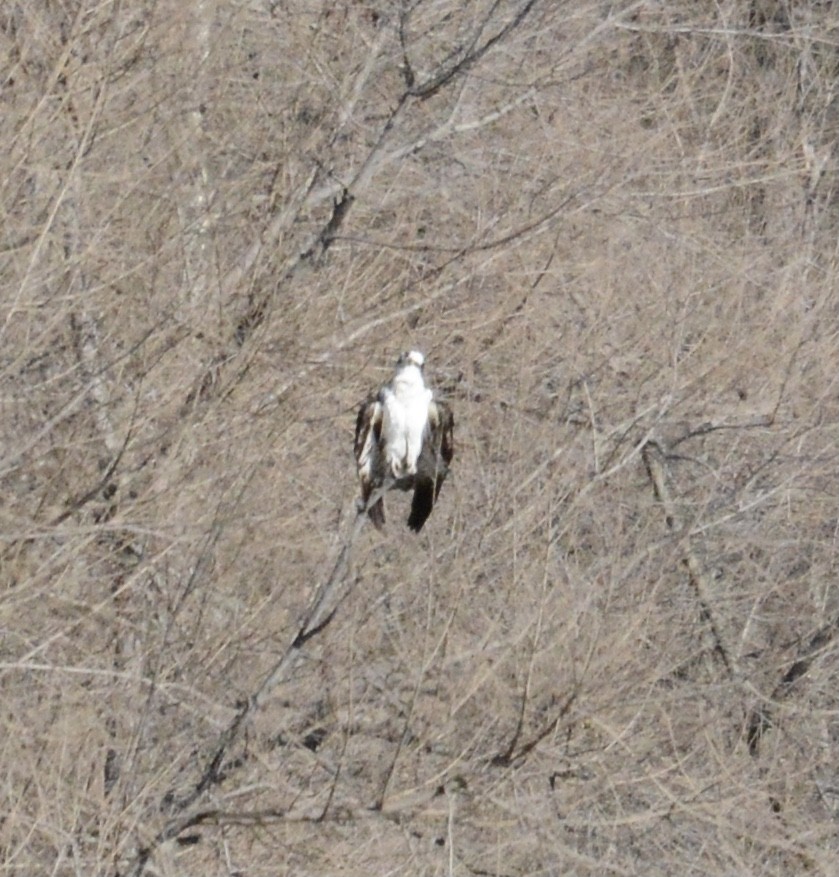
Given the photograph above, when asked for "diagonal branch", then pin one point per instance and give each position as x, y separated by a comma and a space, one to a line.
315, 620
472, 54
655, 460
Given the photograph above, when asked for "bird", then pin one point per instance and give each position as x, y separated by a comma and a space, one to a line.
404, 440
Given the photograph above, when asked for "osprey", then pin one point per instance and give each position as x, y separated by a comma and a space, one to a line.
403, 439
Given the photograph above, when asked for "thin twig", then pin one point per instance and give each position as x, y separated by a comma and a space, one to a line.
654, 460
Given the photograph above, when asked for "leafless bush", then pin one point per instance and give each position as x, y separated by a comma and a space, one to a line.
612, 228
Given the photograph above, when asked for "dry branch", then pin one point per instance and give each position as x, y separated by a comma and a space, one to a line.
656, 462
761, 717
314, 621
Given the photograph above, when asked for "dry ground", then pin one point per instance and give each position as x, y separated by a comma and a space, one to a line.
612, 227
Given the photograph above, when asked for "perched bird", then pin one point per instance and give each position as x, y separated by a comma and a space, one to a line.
404, 440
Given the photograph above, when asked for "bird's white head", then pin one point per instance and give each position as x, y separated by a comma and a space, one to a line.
411, 357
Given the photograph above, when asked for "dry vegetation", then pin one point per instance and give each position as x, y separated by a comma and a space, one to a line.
612, 227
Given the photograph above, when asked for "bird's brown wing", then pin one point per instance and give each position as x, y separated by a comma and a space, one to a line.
367, 447
445, 419
433, 465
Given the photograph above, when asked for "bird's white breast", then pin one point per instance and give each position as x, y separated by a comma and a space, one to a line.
405, 418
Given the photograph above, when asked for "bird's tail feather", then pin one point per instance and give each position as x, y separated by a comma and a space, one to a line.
377, 514
421, 505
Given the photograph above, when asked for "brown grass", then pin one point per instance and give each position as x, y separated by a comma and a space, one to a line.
612, 228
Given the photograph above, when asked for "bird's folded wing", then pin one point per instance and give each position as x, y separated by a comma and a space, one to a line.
441, 428
368, 429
